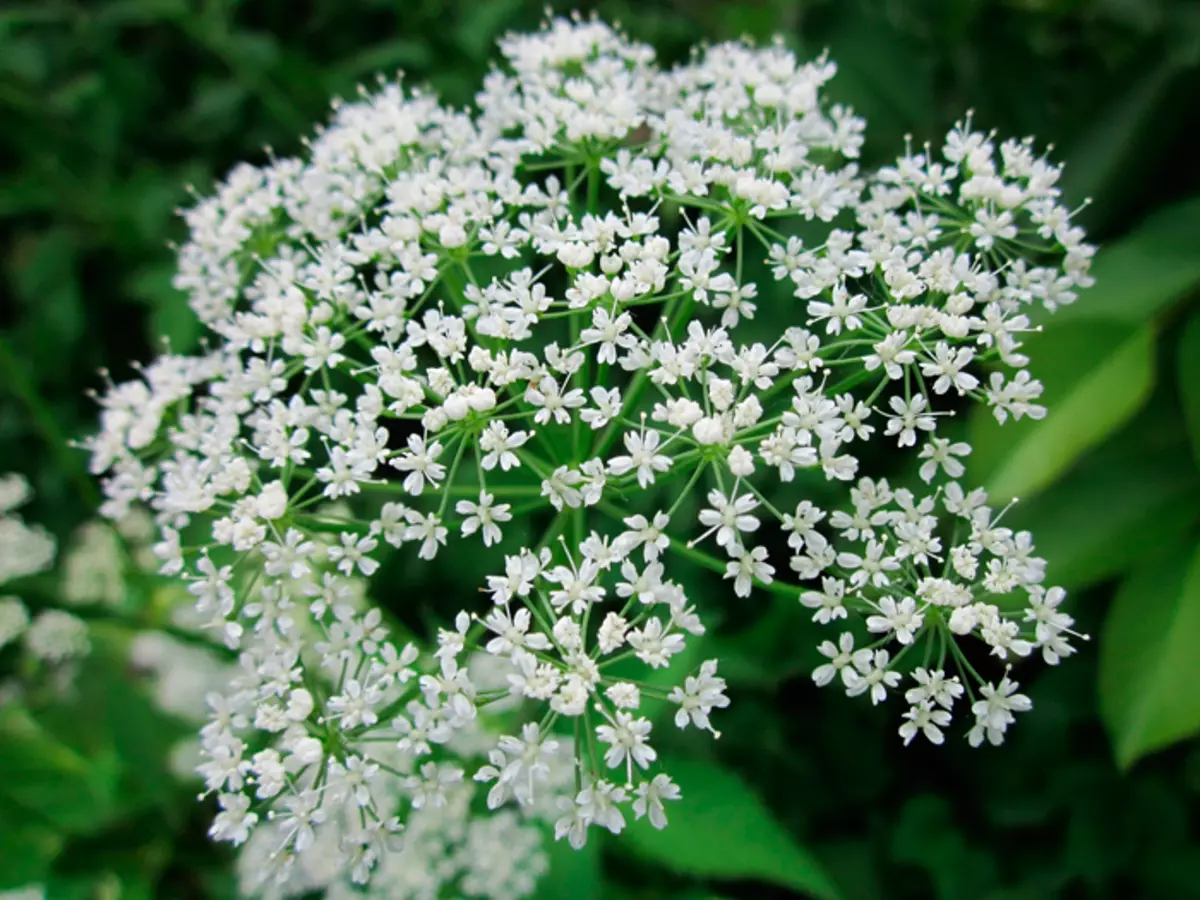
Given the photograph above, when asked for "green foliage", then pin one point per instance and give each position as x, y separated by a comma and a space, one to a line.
76, 768
1148, 664
727, 833
575, 874
1096, 376
1091, 526
110, 108
1141, 274
29, 846
1189, 379
72, 792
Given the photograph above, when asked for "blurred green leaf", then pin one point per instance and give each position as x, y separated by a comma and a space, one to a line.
1103, 155
216, 105
766, 654
1149, 666
923, 830
112, 717
1096, 376
1143, 273
28, 847
925, 835
1188, 363
1092, 526
173, 319
854, 869
484, 24
721, 829
573, 873
139, 12
256, 50
884, 77
45, 776
43, 275
385, 57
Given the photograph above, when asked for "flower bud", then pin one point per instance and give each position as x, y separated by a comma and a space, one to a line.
741, 462
452, 235
308, 751
272, 501
709, 430
482, 399
300, 705
456, 407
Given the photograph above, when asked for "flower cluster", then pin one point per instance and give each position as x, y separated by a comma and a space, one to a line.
25, 549
50, 639
607, 293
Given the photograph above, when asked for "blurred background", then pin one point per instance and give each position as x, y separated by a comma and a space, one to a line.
110, 109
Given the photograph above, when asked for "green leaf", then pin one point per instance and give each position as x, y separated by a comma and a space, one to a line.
44, 279
926, 835
1096, 376
765, 654
854, 867
477, 33
170, 315
884, 76
385, 57
28, 848
721, 829
1092, 525
1146, 271
1188, 363
1149, 667
1103, 155
573, 873
215, 109
50, 779
173, 319
113, 718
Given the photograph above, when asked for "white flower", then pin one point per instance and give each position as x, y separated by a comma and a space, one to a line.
354, 552
653, 645
699, 696
13, 619
934, 687
642, 457
901, 619
627, 738
843, 659
647, 534
994, 711
650, 797
608, 405
234, 821
729, 518
926, 719
871, 674
498, 446
419, 462
429, 531
747, 567
908, 418
55, 636
484, 517
828, 602
940, 452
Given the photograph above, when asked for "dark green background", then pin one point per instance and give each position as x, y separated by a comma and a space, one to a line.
108, 109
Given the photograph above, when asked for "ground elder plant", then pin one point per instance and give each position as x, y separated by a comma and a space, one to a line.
659, 316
